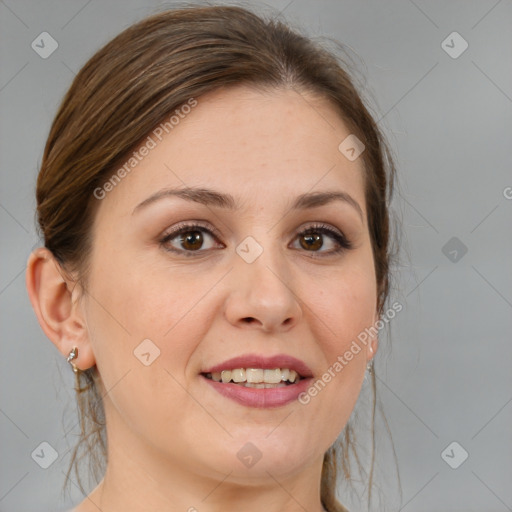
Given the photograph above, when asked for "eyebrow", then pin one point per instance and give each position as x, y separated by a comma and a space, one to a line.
209, 197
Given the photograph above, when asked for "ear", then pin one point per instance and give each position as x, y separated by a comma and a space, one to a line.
60, 316
373, 344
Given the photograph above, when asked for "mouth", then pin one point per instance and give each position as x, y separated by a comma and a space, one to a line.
259, 378
258, 381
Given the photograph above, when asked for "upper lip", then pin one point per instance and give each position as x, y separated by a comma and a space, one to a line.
258, 361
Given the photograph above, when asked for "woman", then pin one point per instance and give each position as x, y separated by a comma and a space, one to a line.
213, 198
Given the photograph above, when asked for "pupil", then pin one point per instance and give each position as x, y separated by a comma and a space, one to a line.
312, 241
194, 238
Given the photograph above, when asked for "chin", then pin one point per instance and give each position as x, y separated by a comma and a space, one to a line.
261, 454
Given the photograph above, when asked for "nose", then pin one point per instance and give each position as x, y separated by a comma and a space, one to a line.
263, 296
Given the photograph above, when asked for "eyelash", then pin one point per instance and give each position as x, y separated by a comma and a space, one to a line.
343, 242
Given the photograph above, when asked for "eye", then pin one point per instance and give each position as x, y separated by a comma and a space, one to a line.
190, 239
312, 239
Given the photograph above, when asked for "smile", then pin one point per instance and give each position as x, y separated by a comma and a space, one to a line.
258, 378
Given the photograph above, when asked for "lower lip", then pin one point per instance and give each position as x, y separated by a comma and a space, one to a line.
261, 398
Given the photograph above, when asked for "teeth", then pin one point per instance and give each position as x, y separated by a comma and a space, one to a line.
272, 376
238, 375
256, 377
262, 385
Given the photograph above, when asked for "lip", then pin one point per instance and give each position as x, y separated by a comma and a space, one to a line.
260, 398
267, 363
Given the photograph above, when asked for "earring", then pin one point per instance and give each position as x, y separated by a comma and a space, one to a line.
73, 355
369, 366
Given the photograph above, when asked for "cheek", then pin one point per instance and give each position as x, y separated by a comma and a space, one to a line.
340, 312
346, 305
127, 310
133, 301
325, 408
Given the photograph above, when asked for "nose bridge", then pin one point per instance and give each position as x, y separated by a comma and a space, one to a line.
260, 256
262, 289
262, 250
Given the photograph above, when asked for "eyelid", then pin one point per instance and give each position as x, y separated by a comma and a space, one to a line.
191, 224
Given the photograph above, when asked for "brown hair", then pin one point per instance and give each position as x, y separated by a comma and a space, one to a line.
128, 88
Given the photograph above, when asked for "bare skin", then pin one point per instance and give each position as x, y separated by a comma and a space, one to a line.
172, 439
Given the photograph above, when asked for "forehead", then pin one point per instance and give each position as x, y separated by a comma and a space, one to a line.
259, 146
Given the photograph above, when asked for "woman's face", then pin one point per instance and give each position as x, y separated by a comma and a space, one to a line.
242, 282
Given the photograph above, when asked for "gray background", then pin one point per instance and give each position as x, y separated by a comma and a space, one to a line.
445, 374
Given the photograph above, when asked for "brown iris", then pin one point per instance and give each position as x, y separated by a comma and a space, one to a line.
192, 240
312, 241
